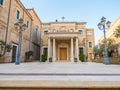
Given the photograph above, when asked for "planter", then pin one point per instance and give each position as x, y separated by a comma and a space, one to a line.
50, 59
75, 59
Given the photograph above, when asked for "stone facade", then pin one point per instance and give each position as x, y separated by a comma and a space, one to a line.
10, 12
66, 40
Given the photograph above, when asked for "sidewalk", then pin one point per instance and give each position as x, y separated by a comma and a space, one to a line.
60, 74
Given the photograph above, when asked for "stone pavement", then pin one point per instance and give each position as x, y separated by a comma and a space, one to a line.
60, 74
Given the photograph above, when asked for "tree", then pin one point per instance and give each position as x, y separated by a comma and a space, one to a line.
4, 47
117, 32
111, 46
101, 50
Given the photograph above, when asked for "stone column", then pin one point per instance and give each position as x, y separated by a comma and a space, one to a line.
49, 48
72, 57
77, 49
54, 50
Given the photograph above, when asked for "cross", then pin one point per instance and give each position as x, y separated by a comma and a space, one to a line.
63, 18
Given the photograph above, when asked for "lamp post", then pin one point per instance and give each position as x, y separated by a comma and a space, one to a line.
41, 43
102, 26
20, 26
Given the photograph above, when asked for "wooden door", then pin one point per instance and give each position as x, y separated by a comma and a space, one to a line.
14, 50
63, 53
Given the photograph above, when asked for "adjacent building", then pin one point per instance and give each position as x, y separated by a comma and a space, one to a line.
10, 12
110, 33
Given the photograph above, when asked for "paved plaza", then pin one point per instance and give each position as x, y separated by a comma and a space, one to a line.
59, 74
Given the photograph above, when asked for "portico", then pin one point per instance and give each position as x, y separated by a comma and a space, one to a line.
63, 46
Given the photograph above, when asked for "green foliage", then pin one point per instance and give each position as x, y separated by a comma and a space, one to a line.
117, 32
111, 46
81, 57
28, 54
44, 58
8, 47
50, 59
99, 51
4, 47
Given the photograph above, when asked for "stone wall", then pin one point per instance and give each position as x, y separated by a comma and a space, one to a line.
112, 60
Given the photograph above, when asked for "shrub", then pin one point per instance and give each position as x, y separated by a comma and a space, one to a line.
28, 54
50, 59
44, 58
81, 57
8, 47
4, 47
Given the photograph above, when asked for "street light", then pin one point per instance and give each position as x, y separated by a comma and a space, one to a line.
102, 26
19, 26
41, 43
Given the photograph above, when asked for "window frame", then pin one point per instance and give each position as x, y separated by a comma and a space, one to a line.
45, 52
17, 14
81, 52
79, 32
89, 33
27, 24
89, 44
45, 34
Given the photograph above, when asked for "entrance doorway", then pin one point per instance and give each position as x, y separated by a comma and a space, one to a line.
14, 50
63, 54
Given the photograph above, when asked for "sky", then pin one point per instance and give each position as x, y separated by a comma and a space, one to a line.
89, 11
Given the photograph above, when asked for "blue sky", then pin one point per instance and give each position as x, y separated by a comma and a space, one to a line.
89, 11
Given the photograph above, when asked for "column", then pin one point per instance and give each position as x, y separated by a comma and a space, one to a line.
72, 57
49, 48
77, 49
54, 50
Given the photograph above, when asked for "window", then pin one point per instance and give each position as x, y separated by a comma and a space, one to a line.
89, 33
45, 51
80, 50
1, 2
18, 14
80, 32
27, 24
45, 32
90, 44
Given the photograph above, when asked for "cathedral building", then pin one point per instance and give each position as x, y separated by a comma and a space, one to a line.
64, 41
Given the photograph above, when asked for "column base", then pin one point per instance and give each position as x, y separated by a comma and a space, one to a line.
72, 59
78, 59
54, 59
